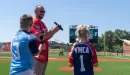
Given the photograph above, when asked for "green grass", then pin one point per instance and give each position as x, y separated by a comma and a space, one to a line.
114, 68
108, 68
5, 54
8, 54
53, 68
4, 68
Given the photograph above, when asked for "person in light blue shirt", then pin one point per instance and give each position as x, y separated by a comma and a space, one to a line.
23, 48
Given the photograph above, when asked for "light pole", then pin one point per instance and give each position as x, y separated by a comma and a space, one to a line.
104, 41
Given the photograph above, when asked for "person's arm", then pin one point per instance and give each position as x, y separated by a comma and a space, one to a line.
47, 35
50, 36
71, 64
33, 46
70, 61
94, 57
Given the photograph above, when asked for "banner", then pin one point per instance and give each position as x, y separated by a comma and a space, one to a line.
5, 46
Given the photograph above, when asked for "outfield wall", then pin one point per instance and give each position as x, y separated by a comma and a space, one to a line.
5, 46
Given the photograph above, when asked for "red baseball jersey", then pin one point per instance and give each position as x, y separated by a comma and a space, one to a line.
39, 26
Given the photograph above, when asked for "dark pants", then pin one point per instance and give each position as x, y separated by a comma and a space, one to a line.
84, 73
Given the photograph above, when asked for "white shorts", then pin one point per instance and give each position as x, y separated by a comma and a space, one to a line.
27, 72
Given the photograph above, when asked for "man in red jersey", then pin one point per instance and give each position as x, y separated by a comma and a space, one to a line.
41, 31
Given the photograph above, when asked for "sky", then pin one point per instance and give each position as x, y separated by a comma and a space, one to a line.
106, 14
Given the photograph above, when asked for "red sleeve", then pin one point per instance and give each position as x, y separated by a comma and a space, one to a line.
36, 27
94, 58
70, 56
71, 59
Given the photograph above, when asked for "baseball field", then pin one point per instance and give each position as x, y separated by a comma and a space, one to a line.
58, 65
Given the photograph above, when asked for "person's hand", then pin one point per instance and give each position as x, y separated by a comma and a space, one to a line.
70, 65
55, 28
42, 47
95, 65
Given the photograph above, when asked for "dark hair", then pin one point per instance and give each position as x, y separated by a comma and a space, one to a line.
25, 20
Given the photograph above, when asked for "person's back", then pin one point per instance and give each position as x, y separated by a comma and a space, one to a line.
22, 58
83, 55
82, 59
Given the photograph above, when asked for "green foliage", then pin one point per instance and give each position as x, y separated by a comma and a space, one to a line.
110, 39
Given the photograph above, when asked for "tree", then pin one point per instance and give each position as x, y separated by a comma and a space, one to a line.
111, 40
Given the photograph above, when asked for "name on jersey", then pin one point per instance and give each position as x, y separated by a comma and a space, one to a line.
81, 50
16, 37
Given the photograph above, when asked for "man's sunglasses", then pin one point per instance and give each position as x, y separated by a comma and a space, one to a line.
42, 11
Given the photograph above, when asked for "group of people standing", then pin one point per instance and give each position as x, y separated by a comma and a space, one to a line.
29, 47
